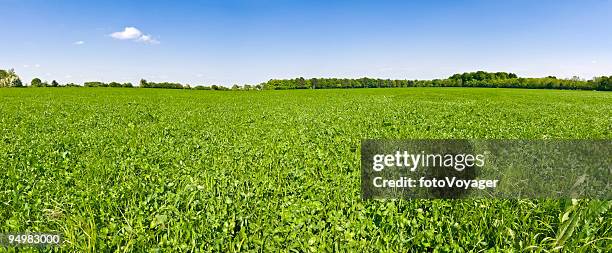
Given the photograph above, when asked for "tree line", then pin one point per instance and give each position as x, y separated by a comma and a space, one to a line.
469, 79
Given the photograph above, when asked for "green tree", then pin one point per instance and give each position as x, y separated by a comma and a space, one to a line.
603, 83
314, 82
9, 79
36, 82
54, 83
3, 74
95, 84
16, 83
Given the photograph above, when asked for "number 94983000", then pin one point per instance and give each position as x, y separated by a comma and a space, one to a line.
30, 239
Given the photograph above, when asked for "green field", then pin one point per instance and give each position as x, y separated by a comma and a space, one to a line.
182, 170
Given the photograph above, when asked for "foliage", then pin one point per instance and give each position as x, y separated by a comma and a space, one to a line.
36, 82
482, 76
111, 84
114, 84
136, 170
16, 82
201, 88
163, 85
8, 78
217, 87
603, 83
95, 84
471, 79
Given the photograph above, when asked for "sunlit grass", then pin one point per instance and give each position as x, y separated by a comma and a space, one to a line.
135, 169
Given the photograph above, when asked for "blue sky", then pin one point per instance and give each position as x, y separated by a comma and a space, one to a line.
238, 42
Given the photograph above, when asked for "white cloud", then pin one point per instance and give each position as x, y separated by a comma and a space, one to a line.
132, 33
80, 42
31, 66
128, 33
148, 39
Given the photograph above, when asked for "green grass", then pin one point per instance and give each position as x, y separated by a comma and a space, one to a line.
179, 170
